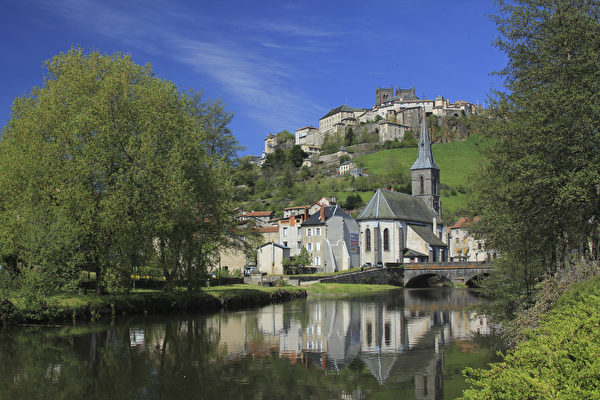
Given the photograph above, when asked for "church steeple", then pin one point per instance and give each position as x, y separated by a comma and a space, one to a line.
425, 173
425, 155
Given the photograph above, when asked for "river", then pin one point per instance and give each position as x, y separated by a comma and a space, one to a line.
400, 344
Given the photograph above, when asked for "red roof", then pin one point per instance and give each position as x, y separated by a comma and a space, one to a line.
268, 229
464, 222
259, 214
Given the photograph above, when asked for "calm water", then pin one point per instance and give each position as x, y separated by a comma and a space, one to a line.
402, 344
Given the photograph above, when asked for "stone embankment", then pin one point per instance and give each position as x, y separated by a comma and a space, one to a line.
375, 276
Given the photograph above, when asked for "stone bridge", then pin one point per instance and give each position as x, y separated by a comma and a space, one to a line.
457, 272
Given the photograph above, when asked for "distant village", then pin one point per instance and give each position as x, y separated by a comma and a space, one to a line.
393, 228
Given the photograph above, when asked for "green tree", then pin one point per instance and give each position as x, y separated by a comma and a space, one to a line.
538, 193
349, 137
296, 156
353, 202
107, 168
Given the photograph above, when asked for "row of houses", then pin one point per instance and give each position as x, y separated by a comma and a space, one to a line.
392, 228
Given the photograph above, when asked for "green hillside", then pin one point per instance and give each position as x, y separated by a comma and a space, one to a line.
458, 161
283, 186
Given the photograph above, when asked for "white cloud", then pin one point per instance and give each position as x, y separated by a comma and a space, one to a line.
251, 71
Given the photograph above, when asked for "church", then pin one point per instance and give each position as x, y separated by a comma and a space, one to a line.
401, 228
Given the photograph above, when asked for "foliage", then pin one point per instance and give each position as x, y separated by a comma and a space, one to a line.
353, 202
538, 192
550, 290
106, 168
295, 265
558, 361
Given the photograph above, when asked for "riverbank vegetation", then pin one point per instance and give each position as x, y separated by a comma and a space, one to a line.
70, 308
538, 194
559, 360
106, 172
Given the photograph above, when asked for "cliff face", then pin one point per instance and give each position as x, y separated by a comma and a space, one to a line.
447, 129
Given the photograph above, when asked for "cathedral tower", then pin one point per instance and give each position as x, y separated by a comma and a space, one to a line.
425, 174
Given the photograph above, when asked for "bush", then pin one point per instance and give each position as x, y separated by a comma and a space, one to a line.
559, 360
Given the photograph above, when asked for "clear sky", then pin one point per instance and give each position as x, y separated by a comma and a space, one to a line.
276, 64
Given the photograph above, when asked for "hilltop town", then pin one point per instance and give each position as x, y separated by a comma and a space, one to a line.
391, 118
392, 228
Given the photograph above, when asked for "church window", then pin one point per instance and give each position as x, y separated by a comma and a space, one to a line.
421, 185
368, 240
386, 239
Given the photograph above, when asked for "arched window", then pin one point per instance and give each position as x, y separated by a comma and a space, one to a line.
386, 239
421, 185
368, 240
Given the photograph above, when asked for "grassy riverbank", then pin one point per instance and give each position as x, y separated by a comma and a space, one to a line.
559, 360
346, 288
94, 307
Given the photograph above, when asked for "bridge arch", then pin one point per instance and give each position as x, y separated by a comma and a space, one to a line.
423, 280
473, 282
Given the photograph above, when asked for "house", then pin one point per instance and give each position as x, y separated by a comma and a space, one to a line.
331, 235
345, 167
463, 246
270, 256
398, 227
290, 231
260, 218
339, 117
323, 201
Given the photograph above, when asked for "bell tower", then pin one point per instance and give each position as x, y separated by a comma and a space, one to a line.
425, 174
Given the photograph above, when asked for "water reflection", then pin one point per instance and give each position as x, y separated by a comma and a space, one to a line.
391, 344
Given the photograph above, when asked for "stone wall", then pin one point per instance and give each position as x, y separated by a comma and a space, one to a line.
376, 276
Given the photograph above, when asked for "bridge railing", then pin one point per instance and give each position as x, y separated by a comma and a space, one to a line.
448, 265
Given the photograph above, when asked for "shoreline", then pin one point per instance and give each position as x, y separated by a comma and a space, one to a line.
87, 308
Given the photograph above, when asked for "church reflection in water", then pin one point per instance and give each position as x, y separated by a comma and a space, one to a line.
398, 339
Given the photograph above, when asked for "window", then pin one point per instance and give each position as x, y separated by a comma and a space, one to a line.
456, 240
284, 232
386, 239
309, 246
318, 246
299, 231
299, 244
318, 232
479, 246
421, 185
368, 240
317, 261
309, 232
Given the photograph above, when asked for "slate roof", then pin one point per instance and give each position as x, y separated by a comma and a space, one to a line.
427, 235
425, 155
330, 211
341, 108
386, 204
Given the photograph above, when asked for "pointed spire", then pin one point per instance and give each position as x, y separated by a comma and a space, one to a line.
425, 156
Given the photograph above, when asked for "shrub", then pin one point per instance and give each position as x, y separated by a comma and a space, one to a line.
559, 360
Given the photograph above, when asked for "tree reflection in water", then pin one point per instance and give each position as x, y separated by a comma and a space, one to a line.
391, 344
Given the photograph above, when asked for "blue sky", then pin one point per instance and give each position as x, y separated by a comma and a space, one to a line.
275, 64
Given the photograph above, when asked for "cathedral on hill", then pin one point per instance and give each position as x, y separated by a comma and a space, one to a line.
401, 228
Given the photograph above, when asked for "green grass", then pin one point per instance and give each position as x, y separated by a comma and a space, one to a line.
346, 288
458, 161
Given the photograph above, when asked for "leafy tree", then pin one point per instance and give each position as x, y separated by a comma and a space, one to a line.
353, 202
296, 156
538, 193
106, 168
349, 137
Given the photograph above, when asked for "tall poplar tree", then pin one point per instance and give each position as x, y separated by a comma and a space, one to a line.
538, 193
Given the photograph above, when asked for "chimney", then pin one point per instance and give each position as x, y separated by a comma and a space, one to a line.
322, 213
